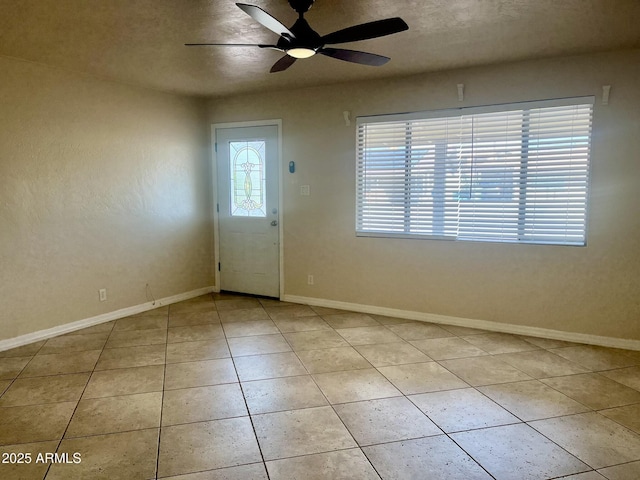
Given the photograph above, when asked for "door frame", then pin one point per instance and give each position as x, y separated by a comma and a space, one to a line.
214, 173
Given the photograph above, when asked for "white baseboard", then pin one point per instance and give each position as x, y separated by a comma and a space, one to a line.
471, 323
105, 317
319, 302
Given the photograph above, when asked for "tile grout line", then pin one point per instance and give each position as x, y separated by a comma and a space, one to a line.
560, 446
12, 380
519, 418
557, 444
470, 386
470, 456
427, 416
246, 405
330, 405
62, 438
402, 394
164, 379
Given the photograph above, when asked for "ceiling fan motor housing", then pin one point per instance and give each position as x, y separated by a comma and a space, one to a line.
305, 37
301, 6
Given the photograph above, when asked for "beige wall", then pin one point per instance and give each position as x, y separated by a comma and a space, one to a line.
101, 186
593, 290
107, 186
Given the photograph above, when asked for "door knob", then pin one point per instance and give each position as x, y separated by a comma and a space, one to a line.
274, 223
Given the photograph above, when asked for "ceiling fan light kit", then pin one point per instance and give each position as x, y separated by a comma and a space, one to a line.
301, 41
301, 52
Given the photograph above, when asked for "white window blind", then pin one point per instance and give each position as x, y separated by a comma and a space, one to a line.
505, 173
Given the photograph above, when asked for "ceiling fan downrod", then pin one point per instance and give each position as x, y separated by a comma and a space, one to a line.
301, 6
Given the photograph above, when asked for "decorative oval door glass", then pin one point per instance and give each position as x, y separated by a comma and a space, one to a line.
248, 183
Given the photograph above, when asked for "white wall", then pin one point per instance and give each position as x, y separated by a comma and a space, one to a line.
593, 290
102, 185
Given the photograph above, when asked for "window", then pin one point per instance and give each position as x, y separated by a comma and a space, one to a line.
504, 173
246, 164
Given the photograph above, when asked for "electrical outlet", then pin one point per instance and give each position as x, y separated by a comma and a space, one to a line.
103, 294
304, 190
310, 279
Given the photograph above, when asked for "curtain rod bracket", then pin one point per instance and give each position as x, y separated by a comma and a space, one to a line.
606, 90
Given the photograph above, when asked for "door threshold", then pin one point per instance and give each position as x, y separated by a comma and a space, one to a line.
246, 295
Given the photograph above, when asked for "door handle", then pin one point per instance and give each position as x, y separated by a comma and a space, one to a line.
274, 223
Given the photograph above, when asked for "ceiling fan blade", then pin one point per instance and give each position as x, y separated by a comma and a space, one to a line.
354, 56
365, 31
282, 64
262, 17
259, 45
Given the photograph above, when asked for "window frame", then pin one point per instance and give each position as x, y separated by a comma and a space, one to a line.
524, 149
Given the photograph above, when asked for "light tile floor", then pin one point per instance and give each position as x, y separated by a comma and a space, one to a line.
235, 387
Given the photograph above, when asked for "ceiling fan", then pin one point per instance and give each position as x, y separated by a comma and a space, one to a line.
301, 41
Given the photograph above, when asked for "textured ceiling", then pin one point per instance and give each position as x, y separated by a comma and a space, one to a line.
140, 42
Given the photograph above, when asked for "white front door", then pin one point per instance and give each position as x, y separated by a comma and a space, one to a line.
248, 216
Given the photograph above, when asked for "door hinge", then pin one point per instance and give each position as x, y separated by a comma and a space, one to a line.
218, 207
218, 266
215, 147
